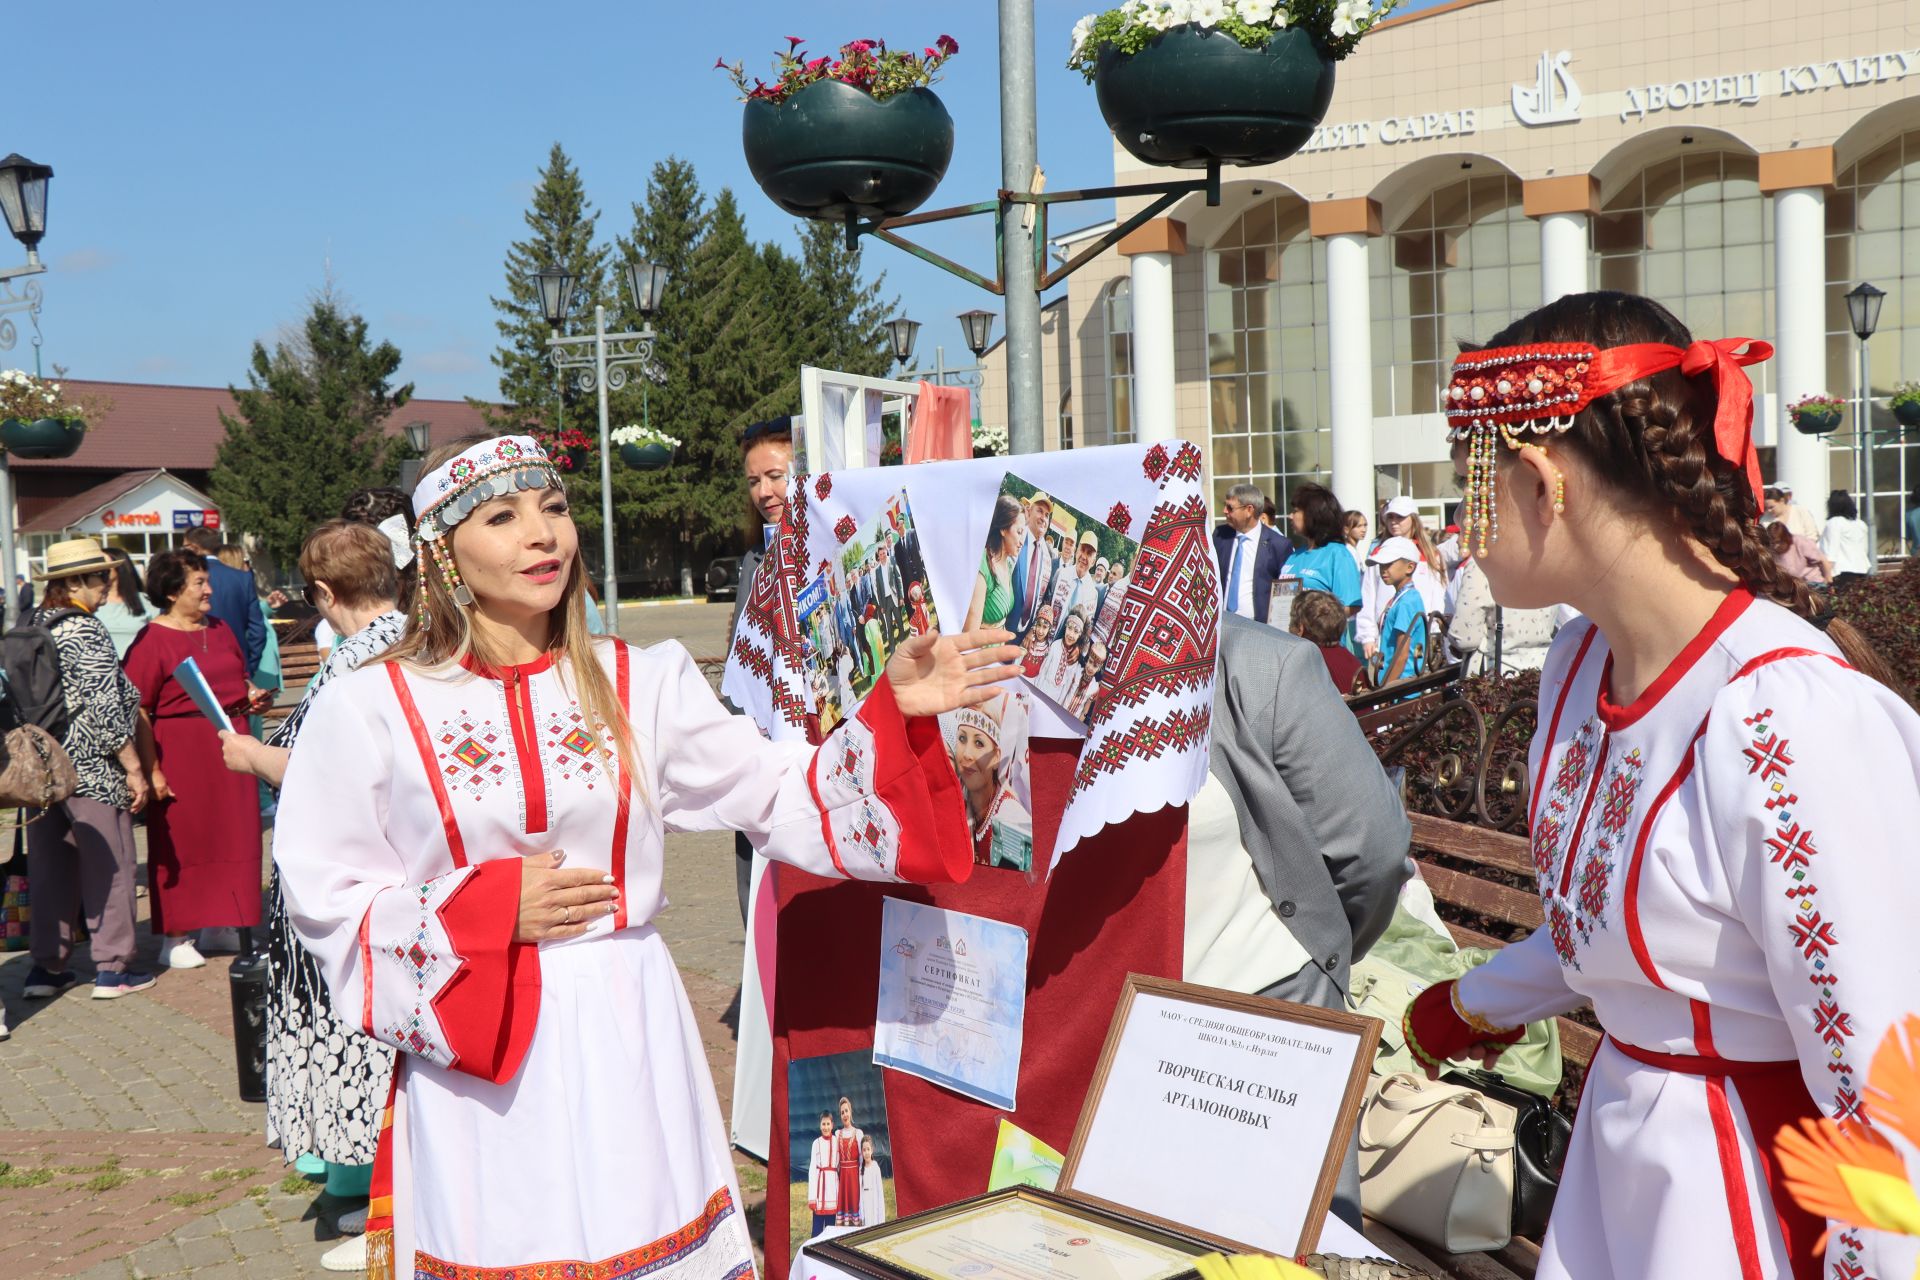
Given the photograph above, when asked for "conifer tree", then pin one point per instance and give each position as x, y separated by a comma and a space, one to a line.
843, 317
310, 428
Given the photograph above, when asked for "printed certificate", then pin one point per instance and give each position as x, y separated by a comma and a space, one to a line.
1019, 1234
953, 992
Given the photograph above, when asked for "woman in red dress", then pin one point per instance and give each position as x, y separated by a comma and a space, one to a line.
203, 827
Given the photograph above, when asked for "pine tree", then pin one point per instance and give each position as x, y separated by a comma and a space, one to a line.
310, 428
843, 319
563, 227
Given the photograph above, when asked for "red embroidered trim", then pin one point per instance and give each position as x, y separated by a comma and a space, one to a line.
366, 971
1617, 717
625, 785
634, 1262
448, 822
1553, 725
1636, 939
1586, 807
826, 821
526, 748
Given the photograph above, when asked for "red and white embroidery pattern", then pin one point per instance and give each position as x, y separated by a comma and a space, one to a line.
571, 750
405, 936
713, 1246
865, 831
474, 754
1791, 851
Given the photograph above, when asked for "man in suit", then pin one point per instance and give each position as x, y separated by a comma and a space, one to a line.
1252, 555
1034, 566
1294, 789
235, 601
1073, 583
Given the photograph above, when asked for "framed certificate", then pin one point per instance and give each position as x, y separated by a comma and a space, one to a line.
1221, 1115
1020, 1233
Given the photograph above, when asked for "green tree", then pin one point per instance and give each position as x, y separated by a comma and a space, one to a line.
842, 316
310, 428
561, 225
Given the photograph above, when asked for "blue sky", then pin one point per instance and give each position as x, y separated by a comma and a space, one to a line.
214, 161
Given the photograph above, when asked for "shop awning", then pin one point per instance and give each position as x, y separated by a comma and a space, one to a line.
136, 500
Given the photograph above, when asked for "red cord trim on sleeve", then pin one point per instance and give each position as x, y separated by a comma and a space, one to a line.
448, 822
826, 823
366, 971
624, 786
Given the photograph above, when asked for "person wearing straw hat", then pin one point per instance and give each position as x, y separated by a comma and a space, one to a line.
80, 854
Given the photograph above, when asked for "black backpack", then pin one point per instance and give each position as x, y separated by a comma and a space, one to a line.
32, 667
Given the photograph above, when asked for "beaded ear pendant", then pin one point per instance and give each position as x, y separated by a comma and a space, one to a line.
1503, 396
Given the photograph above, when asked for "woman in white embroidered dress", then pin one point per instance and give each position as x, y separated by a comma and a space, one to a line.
1723, 807
470, 843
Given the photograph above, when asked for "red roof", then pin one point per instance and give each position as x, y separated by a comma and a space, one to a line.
179, 428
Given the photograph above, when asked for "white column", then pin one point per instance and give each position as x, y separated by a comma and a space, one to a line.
1563, 255
1800, 338
1153, 405
1350, 369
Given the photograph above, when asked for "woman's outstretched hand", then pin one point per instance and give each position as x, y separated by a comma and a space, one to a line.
932, 674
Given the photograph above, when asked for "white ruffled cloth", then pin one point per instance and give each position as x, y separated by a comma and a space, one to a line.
1147, 739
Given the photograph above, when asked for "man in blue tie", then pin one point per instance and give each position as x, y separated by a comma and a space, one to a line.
1252, 555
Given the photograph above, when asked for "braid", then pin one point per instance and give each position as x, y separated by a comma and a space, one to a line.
1702, 486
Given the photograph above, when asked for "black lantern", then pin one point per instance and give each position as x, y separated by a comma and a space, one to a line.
647, 285
1863, 309
419, 436
556, 295
23, 198
978, 326
903, 332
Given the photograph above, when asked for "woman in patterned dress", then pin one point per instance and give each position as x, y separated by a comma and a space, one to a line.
326, 1081
1726, 788
471, 844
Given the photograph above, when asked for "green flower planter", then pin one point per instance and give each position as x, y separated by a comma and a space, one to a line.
43, 437
830, 151
1192, 97
573, 461
646, 457
1816, 422
1907, 413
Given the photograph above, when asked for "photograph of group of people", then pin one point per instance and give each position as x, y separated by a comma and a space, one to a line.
988, 744
853, 616
839, 1144
1057, 578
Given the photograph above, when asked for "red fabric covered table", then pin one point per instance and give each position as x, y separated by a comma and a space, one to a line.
1115, 905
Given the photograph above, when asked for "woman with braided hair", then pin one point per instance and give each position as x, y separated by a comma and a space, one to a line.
1713, 882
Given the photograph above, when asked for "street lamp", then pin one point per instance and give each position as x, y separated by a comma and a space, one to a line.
903, 332
599, 362
23, 202
978, 326
1863, 312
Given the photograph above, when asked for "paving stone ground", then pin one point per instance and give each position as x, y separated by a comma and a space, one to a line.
126, 1154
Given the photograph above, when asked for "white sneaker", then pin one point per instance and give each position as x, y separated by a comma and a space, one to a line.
180, 953
4, 1033
348, 1255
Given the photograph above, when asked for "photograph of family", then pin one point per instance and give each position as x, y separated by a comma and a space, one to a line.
988, 744
1057, 578
874, 595
840, 1152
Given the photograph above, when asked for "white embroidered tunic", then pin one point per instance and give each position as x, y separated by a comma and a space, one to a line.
1729, 874
554, 1113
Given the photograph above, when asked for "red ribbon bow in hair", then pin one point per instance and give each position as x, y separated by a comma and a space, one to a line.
1726, 359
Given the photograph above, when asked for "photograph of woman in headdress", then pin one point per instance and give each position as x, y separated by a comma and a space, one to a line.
1060, 672
988, 744
1034, 644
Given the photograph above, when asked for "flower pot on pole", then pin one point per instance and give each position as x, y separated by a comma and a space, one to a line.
42, 437
832, 151
1194, 96
651, 456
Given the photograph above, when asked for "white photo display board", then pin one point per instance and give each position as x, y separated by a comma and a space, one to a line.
1221, 1114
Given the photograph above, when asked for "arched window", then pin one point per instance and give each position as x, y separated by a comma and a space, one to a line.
1117, 312
1873, 234
1693, 233
1267, 352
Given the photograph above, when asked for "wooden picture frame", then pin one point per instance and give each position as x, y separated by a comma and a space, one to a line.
1366, 1034
854, 1251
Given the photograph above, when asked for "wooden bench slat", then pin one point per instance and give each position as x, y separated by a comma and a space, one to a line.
1578, 1043
1521, 1255
1474, 844
1437, 1261
1457, 888
1465, 937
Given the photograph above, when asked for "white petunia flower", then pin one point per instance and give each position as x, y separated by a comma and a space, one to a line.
1281, 17
1255, 13
1206, 13
1351, 17
1081, 30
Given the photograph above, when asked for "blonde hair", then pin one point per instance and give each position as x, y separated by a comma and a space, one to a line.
448, 636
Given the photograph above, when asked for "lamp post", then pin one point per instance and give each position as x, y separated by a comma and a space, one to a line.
23, 201
419, 438
903, 332
1863, 312
599, 362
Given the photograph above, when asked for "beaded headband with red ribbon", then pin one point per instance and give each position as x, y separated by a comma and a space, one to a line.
1505, 394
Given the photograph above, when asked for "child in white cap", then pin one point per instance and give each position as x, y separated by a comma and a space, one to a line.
1403, 627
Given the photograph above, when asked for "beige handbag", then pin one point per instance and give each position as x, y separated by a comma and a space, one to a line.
35, 771
1436, 1162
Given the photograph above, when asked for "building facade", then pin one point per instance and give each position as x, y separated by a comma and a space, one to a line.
1745, 162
